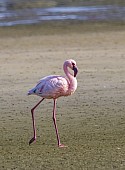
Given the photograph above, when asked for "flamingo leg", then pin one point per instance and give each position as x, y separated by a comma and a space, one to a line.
55, 124
33, 120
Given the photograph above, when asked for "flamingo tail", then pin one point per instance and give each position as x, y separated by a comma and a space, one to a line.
32, 91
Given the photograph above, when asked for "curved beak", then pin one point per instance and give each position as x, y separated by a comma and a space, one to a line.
75, 69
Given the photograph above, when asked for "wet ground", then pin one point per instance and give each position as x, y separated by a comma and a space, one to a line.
10, 17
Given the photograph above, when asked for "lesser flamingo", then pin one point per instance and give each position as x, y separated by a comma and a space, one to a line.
52, 87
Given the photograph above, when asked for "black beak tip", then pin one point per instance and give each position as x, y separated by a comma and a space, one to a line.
75, 71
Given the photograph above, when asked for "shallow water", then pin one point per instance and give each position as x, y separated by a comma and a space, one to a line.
81, 13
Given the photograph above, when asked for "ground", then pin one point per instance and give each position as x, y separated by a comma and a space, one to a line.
91, 122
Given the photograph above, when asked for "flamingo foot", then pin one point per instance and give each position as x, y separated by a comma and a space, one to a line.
62, 146
32, 140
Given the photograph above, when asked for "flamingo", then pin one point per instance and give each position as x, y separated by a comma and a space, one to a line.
53, 87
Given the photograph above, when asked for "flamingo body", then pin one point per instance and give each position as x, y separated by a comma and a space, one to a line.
53, 87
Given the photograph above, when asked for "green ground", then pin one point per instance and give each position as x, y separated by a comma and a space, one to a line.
18, 4
91, 122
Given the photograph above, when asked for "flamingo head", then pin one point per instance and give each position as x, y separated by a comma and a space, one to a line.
72, 65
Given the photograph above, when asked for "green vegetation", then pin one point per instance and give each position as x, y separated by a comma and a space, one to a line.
19, 4
52, 28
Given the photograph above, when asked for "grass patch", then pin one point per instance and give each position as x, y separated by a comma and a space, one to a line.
21, 4
52, 28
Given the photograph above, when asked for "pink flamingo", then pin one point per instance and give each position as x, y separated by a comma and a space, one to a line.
52, 87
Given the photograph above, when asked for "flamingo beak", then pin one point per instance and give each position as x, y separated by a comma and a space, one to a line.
75, 69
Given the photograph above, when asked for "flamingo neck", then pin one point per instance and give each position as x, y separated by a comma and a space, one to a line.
71, 78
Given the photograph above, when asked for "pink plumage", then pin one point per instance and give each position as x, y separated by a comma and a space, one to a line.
52, 87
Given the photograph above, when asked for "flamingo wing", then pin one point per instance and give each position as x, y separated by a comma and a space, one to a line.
51, 87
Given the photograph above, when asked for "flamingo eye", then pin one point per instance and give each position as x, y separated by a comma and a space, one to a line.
73, 66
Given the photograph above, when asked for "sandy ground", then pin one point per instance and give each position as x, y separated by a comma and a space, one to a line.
91, 122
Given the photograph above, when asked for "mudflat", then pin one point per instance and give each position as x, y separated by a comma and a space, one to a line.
91, 122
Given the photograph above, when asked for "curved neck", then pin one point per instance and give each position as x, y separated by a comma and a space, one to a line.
68, 74
72, 79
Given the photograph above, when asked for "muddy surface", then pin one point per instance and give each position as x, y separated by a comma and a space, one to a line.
29, 12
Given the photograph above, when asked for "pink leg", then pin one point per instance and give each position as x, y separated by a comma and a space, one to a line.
33, 120
54, 120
